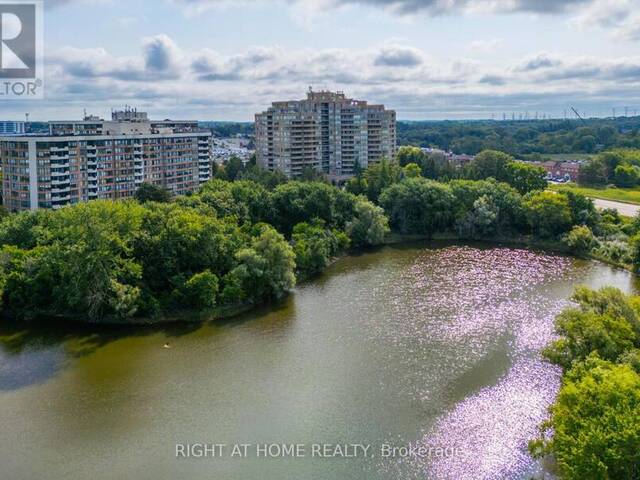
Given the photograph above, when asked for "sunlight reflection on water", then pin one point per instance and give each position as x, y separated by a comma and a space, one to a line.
468, 304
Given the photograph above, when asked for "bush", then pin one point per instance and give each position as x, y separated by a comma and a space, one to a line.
580, 240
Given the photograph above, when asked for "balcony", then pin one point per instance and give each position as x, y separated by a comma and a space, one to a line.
65, 197
64, 175
59, 181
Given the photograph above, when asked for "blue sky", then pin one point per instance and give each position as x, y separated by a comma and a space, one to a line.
427, 59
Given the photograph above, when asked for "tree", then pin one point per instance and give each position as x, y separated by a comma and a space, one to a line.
491, 163
310, 174
314, 245
583, 210
626, 176
380, 176
407, 155
233, 168
412, 170
357, 185
525, 177
265, 270
594, 429
245, 200
148, 192
200, 291
296, 202
604, 322
481, 221
611, 160
504, 200
419, 206
548, 213
369, 225
585, 144
593, 172
635, 248
262, 176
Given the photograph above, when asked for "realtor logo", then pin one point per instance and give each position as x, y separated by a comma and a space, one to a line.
20, 49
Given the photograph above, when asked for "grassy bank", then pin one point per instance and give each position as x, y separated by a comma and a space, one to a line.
625, 195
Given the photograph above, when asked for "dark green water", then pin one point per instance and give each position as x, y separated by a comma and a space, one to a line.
405, 346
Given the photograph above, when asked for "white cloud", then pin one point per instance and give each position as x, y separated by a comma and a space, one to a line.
172, 81
618, 16
485, 46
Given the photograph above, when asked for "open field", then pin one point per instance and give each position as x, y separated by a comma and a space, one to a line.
625, 195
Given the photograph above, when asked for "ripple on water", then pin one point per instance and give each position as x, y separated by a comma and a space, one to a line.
476, 300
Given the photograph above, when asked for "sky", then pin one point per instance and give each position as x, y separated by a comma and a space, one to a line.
426, 59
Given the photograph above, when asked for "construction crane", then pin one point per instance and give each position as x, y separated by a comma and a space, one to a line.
579, 116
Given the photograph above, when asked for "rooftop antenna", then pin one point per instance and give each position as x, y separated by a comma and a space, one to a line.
26, 116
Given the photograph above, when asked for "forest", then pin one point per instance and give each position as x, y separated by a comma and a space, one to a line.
523, 138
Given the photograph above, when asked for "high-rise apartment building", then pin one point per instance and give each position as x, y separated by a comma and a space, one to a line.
327, 132
97, 159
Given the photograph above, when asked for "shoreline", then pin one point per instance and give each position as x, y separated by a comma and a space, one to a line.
222, 313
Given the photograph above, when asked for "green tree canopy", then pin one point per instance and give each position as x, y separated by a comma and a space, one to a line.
548, 213
148, 192
369, 226
408, 154
418, 205
525, 177
491, 163
594, 429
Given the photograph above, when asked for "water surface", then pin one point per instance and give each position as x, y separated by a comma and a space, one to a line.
435, 347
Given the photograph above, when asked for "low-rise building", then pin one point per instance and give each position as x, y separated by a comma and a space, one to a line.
96, 159
561, 170
459, 160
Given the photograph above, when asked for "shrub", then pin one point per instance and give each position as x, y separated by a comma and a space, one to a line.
580, 240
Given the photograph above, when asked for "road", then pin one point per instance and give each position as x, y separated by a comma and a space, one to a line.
624, 209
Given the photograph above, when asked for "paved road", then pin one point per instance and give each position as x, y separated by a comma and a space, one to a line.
625, 209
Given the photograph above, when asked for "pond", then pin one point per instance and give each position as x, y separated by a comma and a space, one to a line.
416, 346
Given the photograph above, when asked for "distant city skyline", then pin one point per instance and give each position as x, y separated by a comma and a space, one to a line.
426, 59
